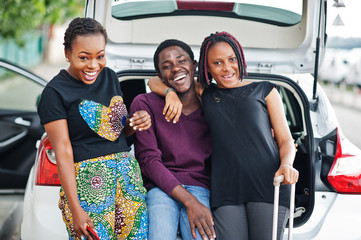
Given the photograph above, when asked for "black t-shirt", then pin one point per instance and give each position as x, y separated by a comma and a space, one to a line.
245, 156
95, 113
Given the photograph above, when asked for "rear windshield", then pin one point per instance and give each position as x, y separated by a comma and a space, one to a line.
278, 12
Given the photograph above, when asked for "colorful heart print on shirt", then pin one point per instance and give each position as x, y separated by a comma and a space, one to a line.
108, 122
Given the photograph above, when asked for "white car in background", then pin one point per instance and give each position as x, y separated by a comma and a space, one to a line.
353, 77
336, 66
342, 66
283, 43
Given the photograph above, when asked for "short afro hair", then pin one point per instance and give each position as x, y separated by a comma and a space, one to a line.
170, 43
81, 27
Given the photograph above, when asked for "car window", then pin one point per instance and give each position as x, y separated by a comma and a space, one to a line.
18, 92
278, 12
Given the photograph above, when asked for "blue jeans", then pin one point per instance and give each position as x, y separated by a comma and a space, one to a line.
166, 214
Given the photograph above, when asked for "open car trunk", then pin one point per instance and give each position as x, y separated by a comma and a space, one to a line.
296, 107
279, 39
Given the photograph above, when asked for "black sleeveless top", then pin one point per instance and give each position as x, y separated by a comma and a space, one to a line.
245, 156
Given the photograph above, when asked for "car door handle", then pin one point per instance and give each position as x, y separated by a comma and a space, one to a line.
21, 121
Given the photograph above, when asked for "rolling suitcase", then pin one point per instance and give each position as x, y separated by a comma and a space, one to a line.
276, 182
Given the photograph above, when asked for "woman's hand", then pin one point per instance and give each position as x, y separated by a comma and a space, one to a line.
289, 172
173, 107
140, 121
80, 222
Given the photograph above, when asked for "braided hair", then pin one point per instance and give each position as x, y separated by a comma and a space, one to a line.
204, 77
81, 27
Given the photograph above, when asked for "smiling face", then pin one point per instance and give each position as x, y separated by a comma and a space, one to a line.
223, 66
86, 57
176, 68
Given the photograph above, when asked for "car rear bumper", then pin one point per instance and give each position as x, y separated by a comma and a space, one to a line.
42, 218
335, 216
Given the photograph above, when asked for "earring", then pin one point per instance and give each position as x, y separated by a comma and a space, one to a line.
67, 59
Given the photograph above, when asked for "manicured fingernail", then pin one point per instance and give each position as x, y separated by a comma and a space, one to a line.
131, 124
135, 128
174, 121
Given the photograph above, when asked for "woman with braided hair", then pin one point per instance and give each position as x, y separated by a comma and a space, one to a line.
246, 155
87, 123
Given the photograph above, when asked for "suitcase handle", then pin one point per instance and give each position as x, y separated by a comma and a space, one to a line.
277, 182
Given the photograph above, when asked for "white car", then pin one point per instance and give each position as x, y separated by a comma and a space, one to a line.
336, 66
283, 43
354, 76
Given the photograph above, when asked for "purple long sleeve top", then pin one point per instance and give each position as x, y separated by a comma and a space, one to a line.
171, 154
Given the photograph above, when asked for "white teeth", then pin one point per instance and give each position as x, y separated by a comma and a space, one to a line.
179, 77
228, 76
90, 73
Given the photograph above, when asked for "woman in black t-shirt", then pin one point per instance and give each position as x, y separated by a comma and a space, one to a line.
83, 113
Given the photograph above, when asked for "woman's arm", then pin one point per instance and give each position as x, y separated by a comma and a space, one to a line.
57, 132
173, 106
157, 86
199, 90
283, 137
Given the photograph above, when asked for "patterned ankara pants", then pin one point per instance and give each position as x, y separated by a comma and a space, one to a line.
111, 192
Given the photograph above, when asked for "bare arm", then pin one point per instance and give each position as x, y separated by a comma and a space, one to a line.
173, 106
283, 138
199, 90
199, 216
57, 132
157, 86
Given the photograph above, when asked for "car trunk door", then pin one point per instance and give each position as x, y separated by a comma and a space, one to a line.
275, 39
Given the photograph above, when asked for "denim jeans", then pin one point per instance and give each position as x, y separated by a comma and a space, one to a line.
166, 214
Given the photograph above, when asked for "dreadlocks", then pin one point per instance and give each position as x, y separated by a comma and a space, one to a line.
204, 77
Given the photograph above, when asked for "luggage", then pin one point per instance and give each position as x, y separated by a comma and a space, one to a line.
276, 182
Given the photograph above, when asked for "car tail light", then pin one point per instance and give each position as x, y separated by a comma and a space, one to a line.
205, 5
345, 172
46, 172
